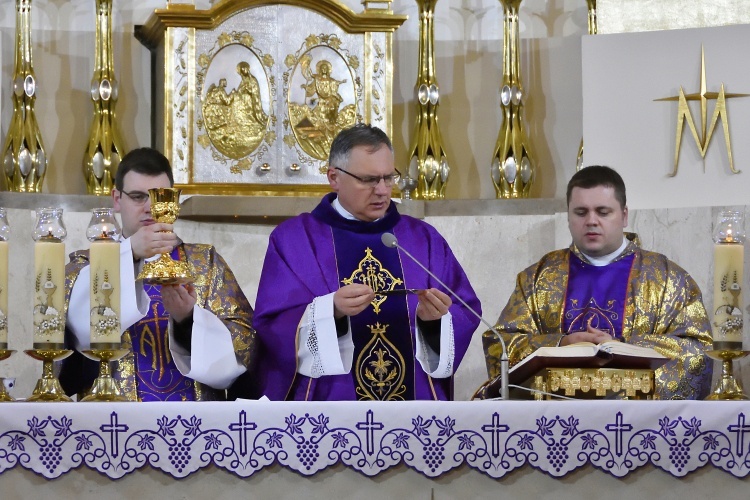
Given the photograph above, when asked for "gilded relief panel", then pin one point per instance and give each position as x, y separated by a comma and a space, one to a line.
274, 85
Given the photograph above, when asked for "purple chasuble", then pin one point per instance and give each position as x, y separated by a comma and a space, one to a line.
383, 356
301, 264
596, 295
157, 376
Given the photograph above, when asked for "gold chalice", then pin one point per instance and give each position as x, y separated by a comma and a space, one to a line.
165, 207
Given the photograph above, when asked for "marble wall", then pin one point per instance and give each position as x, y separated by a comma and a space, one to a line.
493, 245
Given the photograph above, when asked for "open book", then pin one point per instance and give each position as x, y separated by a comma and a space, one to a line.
587, 355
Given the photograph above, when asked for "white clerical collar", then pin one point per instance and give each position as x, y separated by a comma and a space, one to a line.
344, 212
606, 259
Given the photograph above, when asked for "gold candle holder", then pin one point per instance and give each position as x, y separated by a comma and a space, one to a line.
105, 388
5, 353
48, 387
165, 207
729, 388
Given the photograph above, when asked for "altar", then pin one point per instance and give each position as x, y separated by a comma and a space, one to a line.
414, 449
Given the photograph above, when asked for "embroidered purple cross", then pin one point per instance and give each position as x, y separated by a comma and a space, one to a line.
242, 427
741, 428
113, 429
496, 429
370, 426
618, 428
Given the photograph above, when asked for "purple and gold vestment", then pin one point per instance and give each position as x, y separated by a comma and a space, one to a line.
641, 298
307, 258
148, 372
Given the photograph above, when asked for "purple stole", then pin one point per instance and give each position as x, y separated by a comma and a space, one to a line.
157, 376
383, 366
596, 296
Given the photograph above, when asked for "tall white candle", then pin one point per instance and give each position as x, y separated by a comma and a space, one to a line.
49, 293
3, 294
727, 317
104, 258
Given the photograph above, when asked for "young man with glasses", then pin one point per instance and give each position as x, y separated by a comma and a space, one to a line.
341, 316
186, 342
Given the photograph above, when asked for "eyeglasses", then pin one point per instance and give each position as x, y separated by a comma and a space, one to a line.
138, 197
372, 181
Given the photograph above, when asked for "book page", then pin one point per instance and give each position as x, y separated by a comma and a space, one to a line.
623, 349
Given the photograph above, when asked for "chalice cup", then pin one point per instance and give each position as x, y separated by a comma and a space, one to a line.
165, 207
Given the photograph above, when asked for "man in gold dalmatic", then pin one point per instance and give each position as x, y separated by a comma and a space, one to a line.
605, 287
184, 342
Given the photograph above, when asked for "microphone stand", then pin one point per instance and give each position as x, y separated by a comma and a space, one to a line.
390, 240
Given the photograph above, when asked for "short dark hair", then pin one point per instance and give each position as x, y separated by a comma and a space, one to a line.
598, 175
361, 134
146, 161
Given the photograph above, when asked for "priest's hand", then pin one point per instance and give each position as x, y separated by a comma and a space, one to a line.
591, 334
350, 300
433, 304
179, 301
152, 240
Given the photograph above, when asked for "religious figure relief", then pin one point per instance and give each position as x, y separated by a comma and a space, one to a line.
235, 121
321, 100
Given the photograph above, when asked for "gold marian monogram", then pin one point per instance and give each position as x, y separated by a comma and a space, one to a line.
720, 111
371, 273
380, 376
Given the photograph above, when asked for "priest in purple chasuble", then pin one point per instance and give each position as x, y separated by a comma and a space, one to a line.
605, 287
185, 343
339, 315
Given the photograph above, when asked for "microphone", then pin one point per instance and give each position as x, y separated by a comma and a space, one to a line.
389, 240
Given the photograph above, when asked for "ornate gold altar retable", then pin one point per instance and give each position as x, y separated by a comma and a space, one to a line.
250, 93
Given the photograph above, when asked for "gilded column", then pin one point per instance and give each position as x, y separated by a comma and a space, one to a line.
591, 5
104, 149
512, 166
428, 166
24, 159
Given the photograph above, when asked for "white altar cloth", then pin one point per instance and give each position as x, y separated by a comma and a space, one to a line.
494, 438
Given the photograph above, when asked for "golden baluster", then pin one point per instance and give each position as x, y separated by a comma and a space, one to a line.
24, 159
105, 146
428, 170
512, 166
